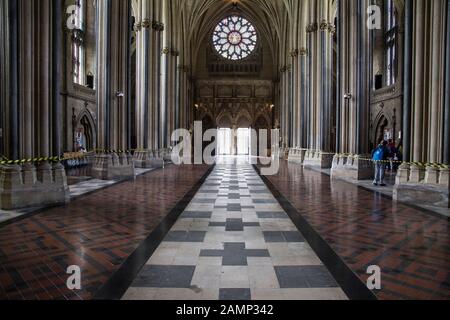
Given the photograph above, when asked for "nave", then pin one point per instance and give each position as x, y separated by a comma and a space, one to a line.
233, 235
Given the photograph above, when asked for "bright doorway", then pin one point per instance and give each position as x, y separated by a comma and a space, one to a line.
243, 141
224, 141
233, 142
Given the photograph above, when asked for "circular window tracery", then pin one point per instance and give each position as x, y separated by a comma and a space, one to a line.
235, 38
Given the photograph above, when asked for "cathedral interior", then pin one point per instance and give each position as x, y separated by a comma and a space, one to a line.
98, 202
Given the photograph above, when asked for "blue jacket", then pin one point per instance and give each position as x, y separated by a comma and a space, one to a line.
380, 153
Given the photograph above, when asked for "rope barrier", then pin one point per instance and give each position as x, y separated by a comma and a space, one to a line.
68, 156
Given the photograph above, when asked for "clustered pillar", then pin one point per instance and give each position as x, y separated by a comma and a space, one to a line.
113, 161
31, 63
151, 87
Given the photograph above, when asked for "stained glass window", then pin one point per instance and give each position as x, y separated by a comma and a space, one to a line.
235, 38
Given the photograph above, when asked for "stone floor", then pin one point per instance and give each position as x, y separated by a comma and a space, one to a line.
388, 191
234, 242
364, 227
97, 232
85, 185
170, 235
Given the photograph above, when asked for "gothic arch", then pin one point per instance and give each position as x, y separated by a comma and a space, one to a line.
382, 123
87, 122
208, 123
244, 120
225, 121
262, 121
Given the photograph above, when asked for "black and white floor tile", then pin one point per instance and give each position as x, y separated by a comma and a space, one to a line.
234, 242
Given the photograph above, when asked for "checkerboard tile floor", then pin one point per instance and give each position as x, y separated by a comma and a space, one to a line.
234, 242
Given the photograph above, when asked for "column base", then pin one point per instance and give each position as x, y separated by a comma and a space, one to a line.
167, 155
30, 186
423, 194
317, 160
142, 159
149, 159
296, 155
113, 167
352, 167
429, 186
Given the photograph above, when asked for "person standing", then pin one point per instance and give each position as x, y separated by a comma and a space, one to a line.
392, 154
379, 156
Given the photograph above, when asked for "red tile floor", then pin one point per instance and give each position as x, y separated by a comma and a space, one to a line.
96, 232
412, 247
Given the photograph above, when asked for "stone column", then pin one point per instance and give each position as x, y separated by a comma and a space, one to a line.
159, 106
418, 65
31, 62
446, 156
44, 57
283, 109
165, 92
304, 94
353, 96
407, 80
362, 80
57, 38
295, 98
104, 93
10, 77
338, 75
437, 75
112, 71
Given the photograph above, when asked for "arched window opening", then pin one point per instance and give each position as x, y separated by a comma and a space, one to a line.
390, 42
78, 54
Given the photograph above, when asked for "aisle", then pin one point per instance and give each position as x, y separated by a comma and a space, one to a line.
234, 242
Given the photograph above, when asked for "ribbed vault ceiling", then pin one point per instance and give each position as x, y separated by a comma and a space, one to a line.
268, 16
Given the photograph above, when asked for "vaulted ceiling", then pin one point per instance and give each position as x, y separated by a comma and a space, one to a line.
199, 17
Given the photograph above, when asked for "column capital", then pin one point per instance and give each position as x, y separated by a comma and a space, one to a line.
323, 25
303, 51
312, 27
158, 26
146, 23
